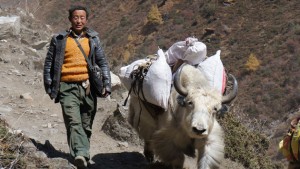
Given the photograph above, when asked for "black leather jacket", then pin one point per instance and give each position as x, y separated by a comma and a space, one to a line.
55, 58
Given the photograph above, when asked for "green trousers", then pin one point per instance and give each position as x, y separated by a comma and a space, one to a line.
79, 111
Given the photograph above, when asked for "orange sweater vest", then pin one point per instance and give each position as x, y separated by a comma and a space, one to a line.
74, 68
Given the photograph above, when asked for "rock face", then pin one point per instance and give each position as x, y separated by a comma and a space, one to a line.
9, 25
39, 45
118, 128
115, 81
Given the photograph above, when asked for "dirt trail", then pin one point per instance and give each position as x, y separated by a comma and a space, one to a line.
27, 109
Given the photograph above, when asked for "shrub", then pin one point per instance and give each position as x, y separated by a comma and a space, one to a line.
245, 146
124, 21
208, 10
113, 40
178, 20
292, 45
126, 56
130, 38
128, 52
154, 16
252, 63
296, 29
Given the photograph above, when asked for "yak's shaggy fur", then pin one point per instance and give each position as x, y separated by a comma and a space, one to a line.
187, 128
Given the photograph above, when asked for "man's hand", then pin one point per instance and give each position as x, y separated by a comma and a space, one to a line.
48, 90
106, 91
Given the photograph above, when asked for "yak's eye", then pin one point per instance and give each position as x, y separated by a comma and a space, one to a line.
190, 103
217, 108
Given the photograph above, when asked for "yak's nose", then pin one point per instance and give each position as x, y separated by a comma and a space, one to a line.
198, 131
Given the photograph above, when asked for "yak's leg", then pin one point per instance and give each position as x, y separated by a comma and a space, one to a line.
133, 112
178, 162
293, 165
165, 144
148, 152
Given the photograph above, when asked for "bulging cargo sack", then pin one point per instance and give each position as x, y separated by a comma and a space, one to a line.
153, 83
190, 51
214, 71
289, 146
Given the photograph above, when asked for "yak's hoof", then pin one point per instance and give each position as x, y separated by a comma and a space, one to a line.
149, 156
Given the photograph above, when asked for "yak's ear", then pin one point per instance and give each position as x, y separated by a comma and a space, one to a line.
181, 100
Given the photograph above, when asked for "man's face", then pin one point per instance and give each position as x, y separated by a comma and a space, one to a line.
78, 20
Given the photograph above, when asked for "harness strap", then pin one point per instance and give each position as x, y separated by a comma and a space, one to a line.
125, 102
138, 76
137, 87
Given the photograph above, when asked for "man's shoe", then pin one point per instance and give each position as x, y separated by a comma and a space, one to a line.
80, 162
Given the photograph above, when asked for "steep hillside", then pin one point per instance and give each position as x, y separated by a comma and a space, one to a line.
268, 30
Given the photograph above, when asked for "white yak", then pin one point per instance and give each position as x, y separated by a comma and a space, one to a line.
189, 126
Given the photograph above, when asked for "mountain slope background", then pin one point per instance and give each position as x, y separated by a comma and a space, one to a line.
267, 30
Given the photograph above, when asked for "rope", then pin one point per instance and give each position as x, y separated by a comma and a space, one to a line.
138, 75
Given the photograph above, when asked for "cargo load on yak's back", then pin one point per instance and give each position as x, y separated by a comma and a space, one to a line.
190, 51
193, 52
214, 71
149, 79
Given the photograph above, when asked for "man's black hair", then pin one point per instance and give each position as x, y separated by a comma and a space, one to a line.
74, 8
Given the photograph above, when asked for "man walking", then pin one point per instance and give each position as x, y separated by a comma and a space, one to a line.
66, 79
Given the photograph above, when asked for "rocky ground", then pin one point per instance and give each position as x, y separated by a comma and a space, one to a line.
29, 111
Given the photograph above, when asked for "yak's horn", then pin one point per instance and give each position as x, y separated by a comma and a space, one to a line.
177, 82
233, 92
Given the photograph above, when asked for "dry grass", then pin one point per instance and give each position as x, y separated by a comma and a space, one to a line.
244, 146
11, 155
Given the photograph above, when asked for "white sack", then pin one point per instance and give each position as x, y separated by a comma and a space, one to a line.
214, 70
191, 51
157, 82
